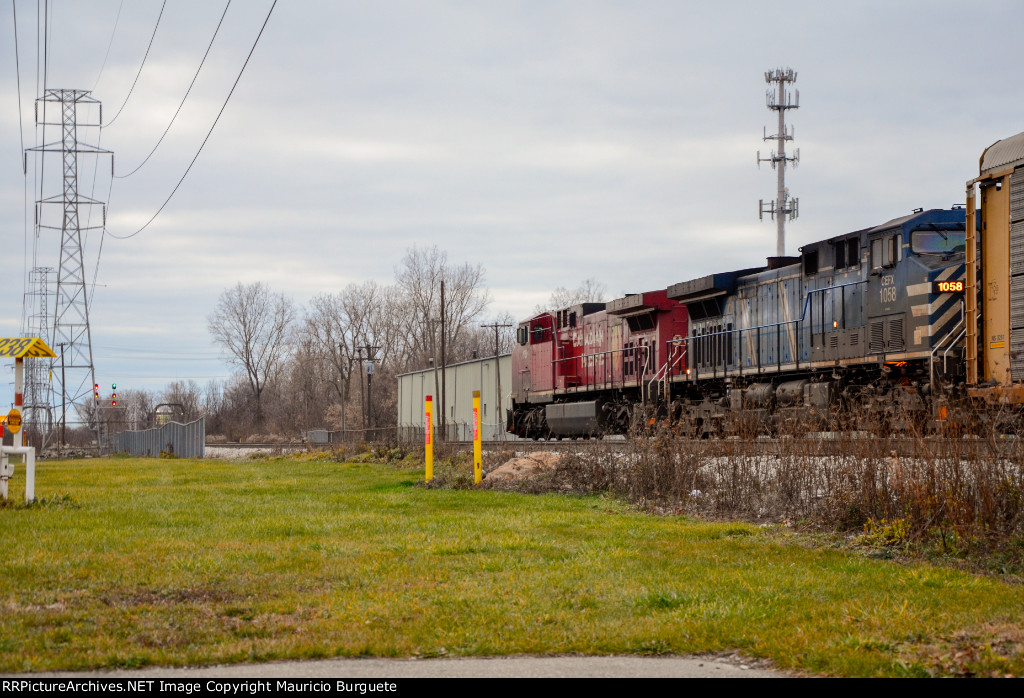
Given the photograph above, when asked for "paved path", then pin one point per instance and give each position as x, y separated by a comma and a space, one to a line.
489, 667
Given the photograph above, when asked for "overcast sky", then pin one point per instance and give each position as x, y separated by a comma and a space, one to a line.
549, 141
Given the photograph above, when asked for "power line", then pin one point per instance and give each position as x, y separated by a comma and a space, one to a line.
109, 123
109, 44
189, 90
208, 134
17, 70
24, 156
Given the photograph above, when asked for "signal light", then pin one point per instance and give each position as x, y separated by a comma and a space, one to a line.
96, 391
113, 386
113, 403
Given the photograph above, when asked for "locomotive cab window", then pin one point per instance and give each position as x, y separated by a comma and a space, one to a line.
523, 336
886, 251
938, 242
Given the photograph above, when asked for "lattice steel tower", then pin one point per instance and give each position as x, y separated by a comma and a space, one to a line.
780, 99
73, 379
38, 401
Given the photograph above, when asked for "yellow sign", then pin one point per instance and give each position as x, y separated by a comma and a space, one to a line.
14, 421
20, 347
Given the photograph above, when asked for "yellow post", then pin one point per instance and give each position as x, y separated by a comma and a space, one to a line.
429, 443
478, 459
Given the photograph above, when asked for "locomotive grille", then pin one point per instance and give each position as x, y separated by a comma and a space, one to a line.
896, 335
877, 343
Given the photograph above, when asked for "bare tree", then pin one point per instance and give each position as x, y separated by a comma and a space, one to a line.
419, 279
589, 291
252, 323
187, 395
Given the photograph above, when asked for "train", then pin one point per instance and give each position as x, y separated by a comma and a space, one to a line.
888, 327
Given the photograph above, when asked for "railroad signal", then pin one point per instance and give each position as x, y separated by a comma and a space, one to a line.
113, 398
96, 391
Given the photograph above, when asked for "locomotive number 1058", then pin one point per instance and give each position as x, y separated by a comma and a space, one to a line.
947, 287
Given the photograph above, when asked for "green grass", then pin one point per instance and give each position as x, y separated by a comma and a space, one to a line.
129, 562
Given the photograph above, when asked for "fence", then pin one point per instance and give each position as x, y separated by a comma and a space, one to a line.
183, 440
454, 432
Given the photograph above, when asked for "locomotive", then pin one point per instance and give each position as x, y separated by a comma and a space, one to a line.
889, 325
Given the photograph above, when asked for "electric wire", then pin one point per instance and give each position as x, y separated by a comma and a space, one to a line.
24, 163
109, 44
141, 66
187, 92
208, 134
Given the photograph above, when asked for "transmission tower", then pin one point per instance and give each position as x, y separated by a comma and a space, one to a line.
38, 416
780, 99
73, 373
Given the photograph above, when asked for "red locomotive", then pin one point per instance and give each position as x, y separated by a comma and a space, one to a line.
580, 370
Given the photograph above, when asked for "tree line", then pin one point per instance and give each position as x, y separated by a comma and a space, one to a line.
301, 368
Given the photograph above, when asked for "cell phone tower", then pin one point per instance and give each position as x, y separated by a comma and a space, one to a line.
780, 99
70, 336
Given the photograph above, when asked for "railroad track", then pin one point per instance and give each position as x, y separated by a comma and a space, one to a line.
813, 446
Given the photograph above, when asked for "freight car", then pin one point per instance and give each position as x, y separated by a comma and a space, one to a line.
871, 318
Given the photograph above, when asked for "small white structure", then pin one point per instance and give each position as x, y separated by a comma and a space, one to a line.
460, 381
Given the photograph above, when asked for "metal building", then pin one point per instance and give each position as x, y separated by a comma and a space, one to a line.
460, 382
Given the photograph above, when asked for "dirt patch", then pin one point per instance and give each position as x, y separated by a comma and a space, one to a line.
965, 652
163, 597
512, 473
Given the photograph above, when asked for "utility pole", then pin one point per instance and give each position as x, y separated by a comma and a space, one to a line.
444, 370
371, 356
362, 390
432, 328
71, 328
779, 99
346, 381
498, 416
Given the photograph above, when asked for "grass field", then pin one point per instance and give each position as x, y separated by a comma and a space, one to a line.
129, 562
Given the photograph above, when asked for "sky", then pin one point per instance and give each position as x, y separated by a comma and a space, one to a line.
549, 141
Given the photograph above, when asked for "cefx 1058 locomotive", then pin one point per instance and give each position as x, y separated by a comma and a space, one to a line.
873, 317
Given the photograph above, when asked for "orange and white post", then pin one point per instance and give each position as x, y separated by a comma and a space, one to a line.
478, 459
428, 413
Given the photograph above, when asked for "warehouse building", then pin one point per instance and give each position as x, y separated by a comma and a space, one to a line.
461, 380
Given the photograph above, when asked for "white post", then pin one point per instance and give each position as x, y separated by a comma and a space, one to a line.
5, 474
30, 474
29, 452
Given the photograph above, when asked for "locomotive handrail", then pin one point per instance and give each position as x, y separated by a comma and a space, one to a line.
777, 325
938, 345
646, 360
663, 372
